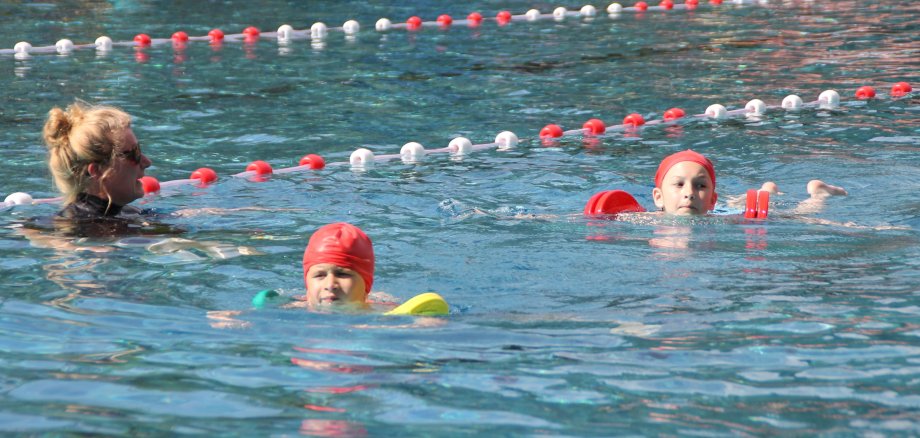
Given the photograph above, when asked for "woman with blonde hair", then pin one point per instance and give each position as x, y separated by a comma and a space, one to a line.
95, 159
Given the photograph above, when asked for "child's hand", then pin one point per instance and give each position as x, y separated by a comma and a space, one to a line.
771, 187
820, 189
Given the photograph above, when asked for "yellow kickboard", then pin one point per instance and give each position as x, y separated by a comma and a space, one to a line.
426, 304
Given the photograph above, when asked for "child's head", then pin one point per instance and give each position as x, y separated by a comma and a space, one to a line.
338, 265
685, 184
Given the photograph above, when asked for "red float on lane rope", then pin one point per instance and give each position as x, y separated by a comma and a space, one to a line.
204, 175
259, 167
250, 34
666, 4
445, 20
634, 120
673, 114
641, 6
475, 18
551, 131
413, 23
313, 161
595, 126
865, 92
900, 89
180, 36
142, 39
216, 35
503, 17
150, 184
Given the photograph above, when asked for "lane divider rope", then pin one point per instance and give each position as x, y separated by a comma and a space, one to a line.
413, 152
318, 31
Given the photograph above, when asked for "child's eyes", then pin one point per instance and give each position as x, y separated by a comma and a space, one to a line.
698, 185
339, 274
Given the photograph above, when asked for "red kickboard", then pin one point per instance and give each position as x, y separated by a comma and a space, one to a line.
612, 202
589, 206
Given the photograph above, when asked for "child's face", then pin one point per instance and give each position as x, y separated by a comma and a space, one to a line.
685, 190
328, 284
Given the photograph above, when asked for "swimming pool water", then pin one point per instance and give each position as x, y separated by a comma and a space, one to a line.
559, 325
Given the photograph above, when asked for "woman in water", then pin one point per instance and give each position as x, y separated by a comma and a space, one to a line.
96, 163
95, 160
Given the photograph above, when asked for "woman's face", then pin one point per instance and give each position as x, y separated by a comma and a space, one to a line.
121, 182
328, 283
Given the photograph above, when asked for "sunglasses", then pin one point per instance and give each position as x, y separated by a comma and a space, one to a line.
134, 155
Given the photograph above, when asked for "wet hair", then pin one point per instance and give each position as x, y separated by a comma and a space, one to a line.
77, 137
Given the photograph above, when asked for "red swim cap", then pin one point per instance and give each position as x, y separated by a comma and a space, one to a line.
343, 245
687, 155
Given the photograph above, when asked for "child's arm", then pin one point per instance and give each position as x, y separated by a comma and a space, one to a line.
818, 191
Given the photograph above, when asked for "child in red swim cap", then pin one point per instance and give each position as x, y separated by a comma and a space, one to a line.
685, 184
338, 268
338, 265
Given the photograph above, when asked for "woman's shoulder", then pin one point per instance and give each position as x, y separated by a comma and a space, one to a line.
91, 216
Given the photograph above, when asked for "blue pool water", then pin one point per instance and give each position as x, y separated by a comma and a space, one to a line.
800, 325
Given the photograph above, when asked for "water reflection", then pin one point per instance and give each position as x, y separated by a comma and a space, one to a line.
332, 428
141, 56
284, 47
22, 71
179, 52
671, 238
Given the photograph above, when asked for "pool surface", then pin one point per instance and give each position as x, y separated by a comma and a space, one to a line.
805, 324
